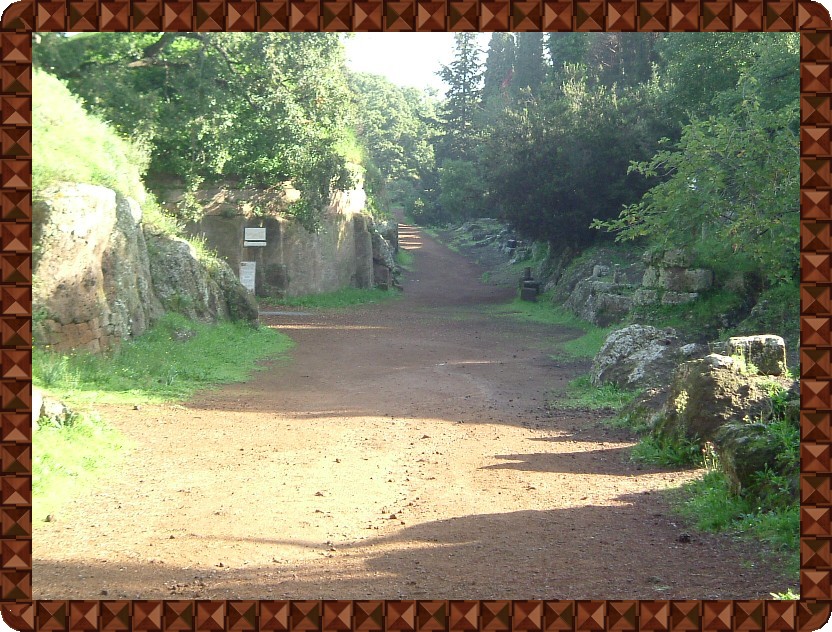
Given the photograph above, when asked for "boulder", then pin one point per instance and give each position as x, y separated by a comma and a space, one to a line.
385, 268
677, 279
766, 352
636, 356
52, 412
561, 272
599, 300
645, 296
708, 393
389, 230
744, 450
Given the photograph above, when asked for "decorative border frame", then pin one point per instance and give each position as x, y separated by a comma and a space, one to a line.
16, 27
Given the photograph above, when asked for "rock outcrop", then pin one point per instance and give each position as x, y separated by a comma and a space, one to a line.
185, 284
100, 277
385, 270
670, 279
747, 449
766, 353
92, 283
602, 299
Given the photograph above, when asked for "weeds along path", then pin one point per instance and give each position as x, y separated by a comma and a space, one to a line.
403, 452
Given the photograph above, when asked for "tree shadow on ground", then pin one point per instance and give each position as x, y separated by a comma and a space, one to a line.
585, 552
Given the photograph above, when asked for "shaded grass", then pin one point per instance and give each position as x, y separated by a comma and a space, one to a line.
653, 450
583, 346
168, 363
346, 297
405, 259
581, 394
709, 504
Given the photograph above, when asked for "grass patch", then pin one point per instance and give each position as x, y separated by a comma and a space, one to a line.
543, 311
346, 297
667, 453
405, 259
581, 394
69, 457
168, 363
709, 504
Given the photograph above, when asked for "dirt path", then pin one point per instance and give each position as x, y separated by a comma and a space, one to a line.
404, 451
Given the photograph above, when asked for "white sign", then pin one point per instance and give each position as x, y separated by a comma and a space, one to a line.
256, 244
255, 234
247, 269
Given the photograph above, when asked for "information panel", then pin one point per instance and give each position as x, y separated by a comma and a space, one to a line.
247, 269
254, 234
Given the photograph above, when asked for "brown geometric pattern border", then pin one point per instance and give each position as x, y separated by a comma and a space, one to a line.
21, 19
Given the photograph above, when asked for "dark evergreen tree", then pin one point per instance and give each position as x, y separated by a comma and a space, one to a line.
499, 69
530, 68
566, 49
462, 99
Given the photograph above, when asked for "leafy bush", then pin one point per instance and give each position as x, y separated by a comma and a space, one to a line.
667, 453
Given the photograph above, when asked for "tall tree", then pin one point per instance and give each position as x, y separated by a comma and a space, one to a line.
566, 49
499, 69
462, 98
530, 68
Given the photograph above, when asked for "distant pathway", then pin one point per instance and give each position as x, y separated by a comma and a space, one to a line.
404, 451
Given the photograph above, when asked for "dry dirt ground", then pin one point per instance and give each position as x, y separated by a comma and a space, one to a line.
404, 451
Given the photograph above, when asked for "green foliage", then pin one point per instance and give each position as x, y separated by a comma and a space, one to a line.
346, 297
530, 68
585, 345
169, 362
74, 146
394, 126
557, 163
462, 99
730, 186
581, 394
405, 259
67, 458
653, 450
256, 108
460, 189
498, 71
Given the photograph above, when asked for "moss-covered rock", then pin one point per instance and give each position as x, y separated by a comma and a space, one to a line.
745, 449
708, 393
